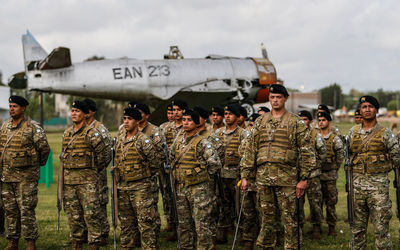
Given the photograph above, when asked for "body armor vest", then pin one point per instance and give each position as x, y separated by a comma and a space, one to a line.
372, 157
169, 135
314, 133
77, 151
330, 161
130, 162
20, 151
187, 170
274, 143
232, 157
147, 130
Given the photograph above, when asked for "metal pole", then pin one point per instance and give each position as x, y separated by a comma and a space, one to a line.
41, 108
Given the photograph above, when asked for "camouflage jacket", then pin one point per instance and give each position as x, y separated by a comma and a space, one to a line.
320, 153
99, 149
171, 131
278, 174
157, 137
106, 138
339, 151
33, 140
215, 142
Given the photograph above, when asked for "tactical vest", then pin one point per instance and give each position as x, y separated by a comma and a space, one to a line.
169, 134
232, 157
206, 133
372, 157
274, 143
187, 170
77, 151
314, 133
20, 151
330, 161
147, 130
130, 162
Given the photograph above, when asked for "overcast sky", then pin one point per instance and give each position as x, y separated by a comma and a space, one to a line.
312, 43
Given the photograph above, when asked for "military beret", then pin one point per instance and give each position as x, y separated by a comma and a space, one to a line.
326, 115
278, 89
357, 112
169, 107
324, 108
202, 111
370, 99
91, 104
243, 111
18, 100
253, 117
195, 116
181, 104
143, 107
265, 109
81, 105
233, 108
218, 109
131, 104
306, 114
134, 113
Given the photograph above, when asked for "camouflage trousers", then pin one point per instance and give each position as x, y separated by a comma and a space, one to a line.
215, 200
249, 223
156, 192
314, 196
377, 205
103, 191
166, 198
286, 197
227, 211
138, 215
330, 199
20, 200
194, 207
83, 209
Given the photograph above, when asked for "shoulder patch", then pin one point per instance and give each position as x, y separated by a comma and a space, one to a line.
147, 141
96, 134
208, 146
103, 130
38, 130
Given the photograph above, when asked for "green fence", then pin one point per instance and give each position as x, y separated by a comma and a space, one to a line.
46, 171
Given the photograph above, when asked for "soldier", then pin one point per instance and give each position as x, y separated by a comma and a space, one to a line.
262, 110
332, 127
242, 118
374, 152
313, 189
217, 115
173, 128
334, 158
252, 119
170, 117
136, 163
357, 117
84, 155
194, 162
277, 140
231, 137
103, 188
24, 148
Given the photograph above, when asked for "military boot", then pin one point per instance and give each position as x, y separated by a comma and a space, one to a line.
248, 245
172, 237
332, 230
103, 241
77, 246
222, 236
169, 228
214, 243
12, 244
94, 247
316, 232
31, 245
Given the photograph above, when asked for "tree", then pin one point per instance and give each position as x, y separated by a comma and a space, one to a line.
332, 95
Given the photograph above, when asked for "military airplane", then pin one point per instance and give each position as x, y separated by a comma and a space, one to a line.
205, 81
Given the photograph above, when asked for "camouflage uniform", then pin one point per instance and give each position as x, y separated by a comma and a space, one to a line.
194, 160
103, 188
271, 155
334, 158
313, 190
370, 167
137, 162
84, 156
24, 149
230, 173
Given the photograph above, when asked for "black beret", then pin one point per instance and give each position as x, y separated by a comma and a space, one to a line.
278, 89
131, 104
143, 107
243, 111
218, 109
169, 107
81, 105
306, 114
326, 115
91, 104
357, 112
195, 116
134, 113
254, 116
181, 104
324, 108
370, 99
202, 111
265, 109
18, 100
233, 108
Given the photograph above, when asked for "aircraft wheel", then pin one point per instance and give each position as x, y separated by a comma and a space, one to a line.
249, 108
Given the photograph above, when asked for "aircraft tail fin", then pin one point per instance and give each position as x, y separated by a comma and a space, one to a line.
33, 51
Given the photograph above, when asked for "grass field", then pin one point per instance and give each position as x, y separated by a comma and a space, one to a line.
51, 239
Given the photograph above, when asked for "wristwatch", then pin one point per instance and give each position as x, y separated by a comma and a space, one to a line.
303, 178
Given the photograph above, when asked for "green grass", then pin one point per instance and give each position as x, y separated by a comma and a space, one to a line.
51, 239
